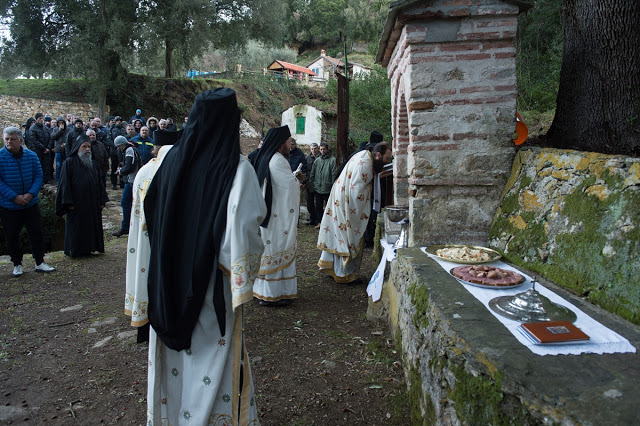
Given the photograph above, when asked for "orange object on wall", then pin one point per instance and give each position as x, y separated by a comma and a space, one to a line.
521, 130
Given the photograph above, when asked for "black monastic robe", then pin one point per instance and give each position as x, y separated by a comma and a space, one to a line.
81, 187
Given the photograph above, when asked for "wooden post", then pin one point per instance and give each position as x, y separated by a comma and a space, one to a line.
343, 116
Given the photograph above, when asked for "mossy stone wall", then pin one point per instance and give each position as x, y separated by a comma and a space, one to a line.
574, 217
52, 225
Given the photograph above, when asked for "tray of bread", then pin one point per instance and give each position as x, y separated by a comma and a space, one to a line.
465, 254
487, 276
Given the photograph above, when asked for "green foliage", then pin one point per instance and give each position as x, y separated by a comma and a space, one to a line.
271, 93
181, 30
328, 20
310, 22
71, 90
539, 44
364, 19
28, 25
255, 55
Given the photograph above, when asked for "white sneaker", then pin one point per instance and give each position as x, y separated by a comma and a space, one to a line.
17, 270
43, 267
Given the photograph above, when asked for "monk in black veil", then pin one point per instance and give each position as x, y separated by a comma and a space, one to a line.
203, 209
81, 196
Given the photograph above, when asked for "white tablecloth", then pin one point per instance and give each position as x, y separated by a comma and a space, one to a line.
603, 340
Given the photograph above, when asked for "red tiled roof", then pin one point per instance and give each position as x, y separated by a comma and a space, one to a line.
297, 68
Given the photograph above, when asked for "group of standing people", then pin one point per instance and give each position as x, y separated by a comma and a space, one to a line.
211, 231
83, 154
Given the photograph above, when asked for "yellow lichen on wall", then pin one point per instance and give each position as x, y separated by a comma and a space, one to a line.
558, 159
634, 176
561, 174
530, 201
515, 171
599, 191
574, 217
491, 367
518, 222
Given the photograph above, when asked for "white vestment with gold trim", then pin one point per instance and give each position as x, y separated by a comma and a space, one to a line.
277, 279
210, 383
343, 224
136, 299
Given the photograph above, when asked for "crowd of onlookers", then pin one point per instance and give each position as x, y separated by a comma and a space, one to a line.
115, 149
52, 140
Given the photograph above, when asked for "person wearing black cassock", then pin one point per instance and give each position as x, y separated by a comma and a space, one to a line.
199, 259
81, 197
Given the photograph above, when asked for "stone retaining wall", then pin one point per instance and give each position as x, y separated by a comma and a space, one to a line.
574, 217
15, 110
463, 367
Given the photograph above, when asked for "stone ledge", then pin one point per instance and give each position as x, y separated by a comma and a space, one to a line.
464, 367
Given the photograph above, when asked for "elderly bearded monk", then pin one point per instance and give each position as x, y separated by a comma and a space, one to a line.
277, 282
345, 218
81, 197
138, 248
203, 210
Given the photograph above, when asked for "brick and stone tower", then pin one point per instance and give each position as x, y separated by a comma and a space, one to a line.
453, 93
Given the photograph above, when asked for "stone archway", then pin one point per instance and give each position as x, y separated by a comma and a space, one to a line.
400, 145
452, 69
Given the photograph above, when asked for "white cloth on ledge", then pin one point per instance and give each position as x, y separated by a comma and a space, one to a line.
374, 289
602, 339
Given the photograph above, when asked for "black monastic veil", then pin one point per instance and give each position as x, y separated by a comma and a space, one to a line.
186, 213
276, 136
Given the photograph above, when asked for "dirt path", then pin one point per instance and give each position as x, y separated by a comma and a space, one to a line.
68, 354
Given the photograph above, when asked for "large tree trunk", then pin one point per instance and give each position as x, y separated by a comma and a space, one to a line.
598, 104
168, 56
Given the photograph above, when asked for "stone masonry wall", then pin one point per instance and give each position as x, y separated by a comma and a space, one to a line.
453, 85
463, 367
574, 217
15, 110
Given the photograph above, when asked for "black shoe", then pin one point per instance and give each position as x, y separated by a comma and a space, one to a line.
120, 232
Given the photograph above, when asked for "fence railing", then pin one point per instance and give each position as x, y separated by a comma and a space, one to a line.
301, 77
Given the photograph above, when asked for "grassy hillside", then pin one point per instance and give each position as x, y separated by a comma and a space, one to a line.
261, 100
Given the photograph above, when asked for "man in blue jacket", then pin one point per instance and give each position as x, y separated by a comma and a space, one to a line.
20, 183
145, 144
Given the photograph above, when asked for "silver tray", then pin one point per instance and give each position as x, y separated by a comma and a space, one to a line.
494, 254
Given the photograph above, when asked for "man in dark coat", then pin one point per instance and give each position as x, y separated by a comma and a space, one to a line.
311, 197
59, 136
40, 138
296, 158
118, 129
99, 154
78, 129
138, 116
81, 197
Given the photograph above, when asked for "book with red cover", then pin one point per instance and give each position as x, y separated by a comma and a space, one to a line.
555, 332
